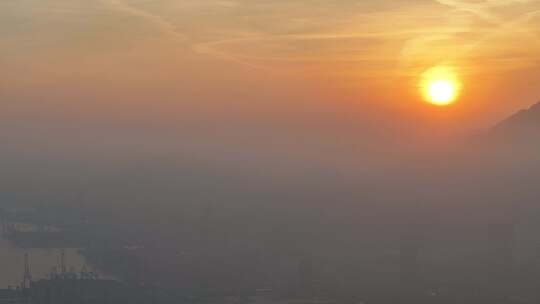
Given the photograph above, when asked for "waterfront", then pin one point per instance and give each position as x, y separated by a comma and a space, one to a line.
42, 261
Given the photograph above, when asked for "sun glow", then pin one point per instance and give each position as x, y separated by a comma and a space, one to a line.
440, 86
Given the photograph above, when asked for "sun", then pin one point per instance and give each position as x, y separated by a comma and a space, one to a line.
441, 92
440, 86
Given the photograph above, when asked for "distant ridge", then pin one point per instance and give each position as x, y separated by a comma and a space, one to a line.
523, 125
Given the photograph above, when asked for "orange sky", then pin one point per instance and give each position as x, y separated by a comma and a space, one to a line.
195, 64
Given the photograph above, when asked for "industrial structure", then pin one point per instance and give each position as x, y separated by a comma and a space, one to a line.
67, 287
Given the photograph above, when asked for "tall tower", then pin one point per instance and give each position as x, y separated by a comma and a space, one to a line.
27, 277
62, 261
4, 220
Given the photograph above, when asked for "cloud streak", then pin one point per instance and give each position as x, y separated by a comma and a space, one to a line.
159, 22
273, 38
170, 30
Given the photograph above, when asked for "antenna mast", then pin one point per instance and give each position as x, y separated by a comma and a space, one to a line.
27, 278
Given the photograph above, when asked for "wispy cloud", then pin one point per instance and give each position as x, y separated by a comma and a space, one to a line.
513, 26
170, 30
259, 34
479, 9
163, 25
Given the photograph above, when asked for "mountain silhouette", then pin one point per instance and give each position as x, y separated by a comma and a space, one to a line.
523, 126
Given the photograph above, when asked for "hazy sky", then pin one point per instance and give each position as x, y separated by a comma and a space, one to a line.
229, 72
282, 115
279, 103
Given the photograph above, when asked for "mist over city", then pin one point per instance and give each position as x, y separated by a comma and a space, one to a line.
273, 152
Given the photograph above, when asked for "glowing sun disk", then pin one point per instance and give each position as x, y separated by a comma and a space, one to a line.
441, 92
440, 86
